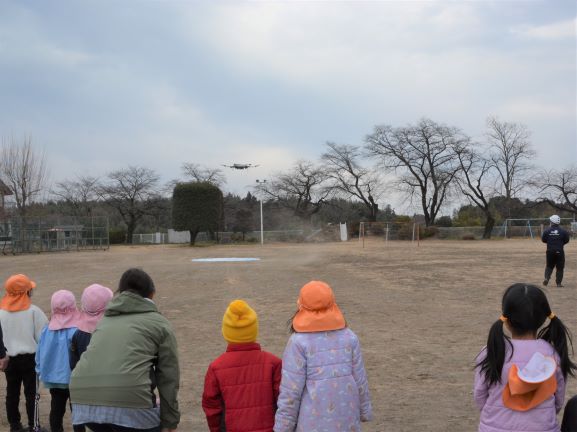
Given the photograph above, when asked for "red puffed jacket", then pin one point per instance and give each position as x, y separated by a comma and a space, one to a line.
241, 389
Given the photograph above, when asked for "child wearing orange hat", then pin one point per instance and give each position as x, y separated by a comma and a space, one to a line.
241, 386
22, 323
324, 385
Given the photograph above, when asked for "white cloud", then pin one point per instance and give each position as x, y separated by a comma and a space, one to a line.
566, 29
532, 109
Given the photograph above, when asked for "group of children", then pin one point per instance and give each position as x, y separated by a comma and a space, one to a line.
320, 384
42, 349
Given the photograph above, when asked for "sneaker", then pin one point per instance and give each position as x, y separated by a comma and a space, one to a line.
560, 285
18, 428
545, 282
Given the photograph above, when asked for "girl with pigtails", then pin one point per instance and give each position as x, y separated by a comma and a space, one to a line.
520, 379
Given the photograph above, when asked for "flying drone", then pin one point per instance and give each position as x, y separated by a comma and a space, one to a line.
241, 166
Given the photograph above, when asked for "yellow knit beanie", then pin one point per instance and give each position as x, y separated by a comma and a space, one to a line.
240, 323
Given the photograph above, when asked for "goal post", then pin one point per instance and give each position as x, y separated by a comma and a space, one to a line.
528, 227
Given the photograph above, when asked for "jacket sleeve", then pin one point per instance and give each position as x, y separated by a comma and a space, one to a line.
39, 354
40, 322
276, 379
168, 380
360, 377
480, 388
212, 403
294, 370
566, 238
560, 392
545, 235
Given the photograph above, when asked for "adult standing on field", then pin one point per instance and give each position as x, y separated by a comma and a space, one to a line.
131, 353
556, 238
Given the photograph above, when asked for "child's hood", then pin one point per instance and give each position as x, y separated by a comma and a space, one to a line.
129, 303
532, 385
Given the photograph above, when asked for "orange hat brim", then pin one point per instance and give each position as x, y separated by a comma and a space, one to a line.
519, 395
18, 303
307, 321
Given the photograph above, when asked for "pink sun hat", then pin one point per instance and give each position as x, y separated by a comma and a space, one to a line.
95, 298
64, 312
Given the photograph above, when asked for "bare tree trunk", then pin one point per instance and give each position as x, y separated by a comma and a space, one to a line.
489, 224
130, 227
193, 234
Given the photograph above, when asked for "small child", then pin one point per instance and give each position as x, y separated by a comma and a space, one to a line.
22, 323
241, 386
512, 389
52, 362
324, 385
94, 300
570, 416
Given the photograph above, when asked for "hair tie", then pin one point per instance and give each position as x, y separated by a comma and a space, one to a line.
503, 318
552, 315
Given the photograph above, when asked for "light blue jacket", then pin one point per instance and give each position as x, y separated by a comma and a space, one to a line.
324, 386
52, 362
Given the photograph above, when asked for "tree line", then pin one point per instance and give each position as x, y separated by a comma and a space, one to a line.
430, 164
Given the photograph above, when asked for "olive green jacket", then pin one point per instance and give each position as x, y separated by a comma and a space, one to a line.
132, 349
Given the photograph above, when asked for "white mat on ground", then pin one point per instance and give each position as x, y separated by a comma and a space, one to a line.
225, 259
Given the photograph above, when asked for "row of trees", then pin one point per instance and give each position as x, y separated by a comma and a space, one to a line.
431, 164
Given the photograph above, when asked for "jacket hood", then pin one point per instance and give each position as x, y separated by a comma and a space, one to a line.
129, 303
531, 386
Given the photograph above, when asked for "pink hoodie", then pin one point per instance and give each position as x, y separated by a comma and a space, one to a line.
495, 417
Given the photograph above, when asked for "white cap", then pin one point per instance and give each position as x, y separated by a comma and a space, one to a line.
555, 219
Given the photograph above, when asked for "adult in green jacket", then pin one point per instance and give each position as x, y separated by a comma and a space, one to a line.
132, 352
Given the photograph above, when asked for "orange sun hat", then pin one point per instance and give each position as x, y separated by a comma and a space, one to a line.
16, 297
318, 310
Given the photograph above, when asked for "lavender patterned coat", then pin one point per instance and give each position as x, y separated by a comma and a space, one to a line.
324, 385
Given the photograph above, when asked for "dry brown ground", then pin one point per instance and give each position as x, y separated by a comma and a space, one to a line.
422, 313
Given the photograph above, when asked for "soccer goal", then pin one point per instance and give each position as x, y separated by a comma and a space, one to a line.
529, 227
388, 231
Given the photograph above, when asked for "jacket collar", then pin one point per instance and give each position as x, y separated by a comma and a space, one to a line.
250, 346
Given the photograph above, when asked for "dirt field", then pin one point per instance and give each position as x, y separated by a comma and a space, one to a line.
421, 313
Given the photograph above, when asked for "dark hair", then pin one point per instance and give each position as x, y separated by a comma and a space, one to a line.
136, 281
525, 308
289, 323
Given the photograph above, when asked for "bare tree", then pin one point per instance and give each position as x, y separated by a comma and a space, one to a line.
79, 194
422, 155
133, 193
511, 154
475, 180
559, 189
23, 170
300, 189
201, 173
350, 179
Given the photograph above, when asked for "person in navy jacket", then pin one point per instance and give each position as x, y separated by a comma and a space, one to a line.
556, 238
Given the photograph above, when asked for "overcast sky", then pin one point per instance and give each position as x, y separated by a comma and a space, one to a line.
103, 84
